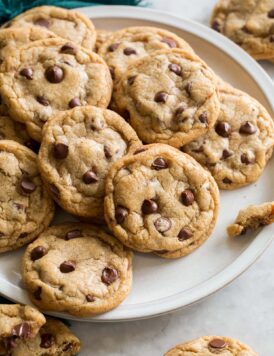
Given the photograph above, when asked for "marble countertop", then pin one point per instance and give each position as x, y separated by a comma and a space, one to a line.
244, 309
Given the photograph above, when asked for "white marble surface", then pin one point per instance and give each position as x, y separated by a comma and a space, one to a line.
244, 309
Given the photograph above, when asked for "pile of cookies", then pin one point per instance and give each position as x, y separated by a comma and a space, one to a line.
146, 171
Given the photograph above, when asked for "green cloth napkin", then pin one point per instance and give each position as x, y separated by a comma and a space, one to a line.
11, 8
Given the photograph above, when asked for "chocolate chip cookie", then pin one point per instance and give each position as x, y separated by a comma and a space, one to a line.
69, 24
212, 345
124, 47
77, 268
237, 149
249, 23
49, 76
77, 150
26, 207
168, 97
161, 200
18, 322
54, 339
252, 218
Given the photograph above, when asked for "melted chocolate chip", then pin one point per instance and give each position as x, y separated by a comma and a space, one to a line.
170, 42
248, 128
270, 14
37, 293
67, 266
131, 79
226, 154
27, 186
38, 252
203, 118
188, 88
216, 26
180, 110
107, 152
129, 51
23, 330
90, 177
54, 191
223, 129
120, 214
27, 73
149, 206
73, 234
74, 102
175, 68
42, 100
69, 48
41, 22
90, 298
161, 97
23, 235
246, 159
187, 197
139, 150
109, 275
217, 344
60, 150
113, 47
47, 340
54, 74
159, 163
227, 180
162, 224
184, 234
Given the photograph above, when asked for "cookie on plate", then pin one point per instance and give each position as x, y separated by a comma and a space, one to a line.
212, 346
77, 268
161, 200
26, 207
252, 218
168, 97
237, 149
77, 150
69, 24
54, 339
248, 23
101, 37
18, 322
124, 47
49, 76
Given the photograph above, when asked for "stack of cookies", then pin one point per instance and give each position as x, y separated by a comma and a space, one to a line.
147, 170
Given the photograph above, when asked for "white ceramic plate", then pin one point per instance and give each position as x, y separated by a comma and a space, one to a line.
161, 286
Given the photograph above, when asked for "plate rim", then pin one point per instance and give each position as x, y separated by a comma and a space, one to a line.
263, 238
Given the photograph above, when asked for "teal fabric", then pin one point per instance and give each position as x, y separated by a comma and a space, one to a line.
11, 8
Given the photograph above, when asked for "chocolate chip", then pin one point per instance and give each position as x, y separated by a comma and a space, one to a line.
38, 252
139, 150
73, 234
109, 275
149, 206
248, 128
246, 159
67, 266
54, 74
226, 154
216, 26
223, 129
27, 73
162, 224
9, 343
54, 191
67, 347
24, 234
227, 180
47, 340
270, 14
203, 118
41, 22
23, 330
187, 197
90, 298
37, 293
60, 150
217, 344
161, 97
129, 51
107, 152
184, 234
32, 145
113, 47
180, 110
74, 102
69, 48
120, 214
159, 163
27, 186
131, 79
188, 88
90, 177
175, 68
170, 42
42, 100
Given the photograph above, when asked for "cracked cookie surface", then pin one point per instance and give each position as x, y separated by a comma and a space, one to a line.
237, 149
124, 47
26, 207
168, 97
53, 339
249, 23
69, 24
160, 200
212, 346
77, 150
252, 218
77, 268
49, 76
